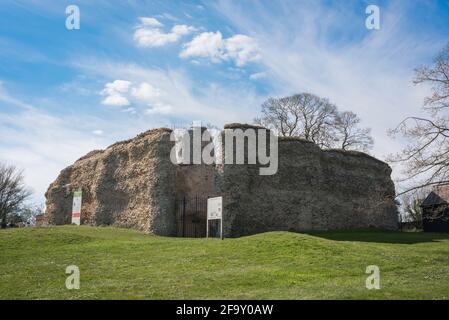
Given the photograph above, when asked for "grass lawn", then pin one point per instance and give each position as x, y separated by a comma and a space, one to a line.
125, 264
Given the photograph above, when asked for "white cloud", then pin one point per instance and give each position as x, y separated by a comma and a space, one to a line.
205, 45
168, 16
149, 37
115, 100
239, 48
120, 92
160, 108
145, 92
242, 49
151, 22
150, 34
258, 75
182, 29
130, 110
114, 92
98, 132
117, 86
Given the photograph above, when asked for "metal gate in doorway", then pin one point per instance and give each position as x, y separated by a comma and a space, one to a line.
191, 217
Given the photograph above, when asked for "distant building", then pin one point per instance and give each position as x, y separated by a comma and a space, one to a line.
436, 210
40, 219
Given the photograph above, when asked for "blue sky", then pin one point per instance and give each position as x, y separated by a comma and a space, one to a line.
136, 65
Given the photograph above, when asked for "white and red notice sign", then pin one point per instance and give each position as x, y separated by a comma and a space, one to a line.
76, 208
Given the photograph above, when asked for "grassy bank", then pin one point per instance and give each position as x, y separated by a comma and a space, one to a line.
125, 264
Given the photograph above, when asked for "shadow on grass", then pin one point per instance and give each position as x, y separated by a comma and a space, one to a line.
381, 236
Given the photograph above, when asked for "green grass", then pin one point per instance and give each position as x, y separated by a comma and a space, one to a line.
125, 264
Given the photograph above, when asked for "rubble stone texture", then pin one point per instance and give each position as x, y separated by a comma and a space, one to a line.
134, 184
130, 184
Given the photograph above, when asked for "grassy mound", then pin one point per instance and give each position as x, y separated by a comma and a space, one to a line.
125, 264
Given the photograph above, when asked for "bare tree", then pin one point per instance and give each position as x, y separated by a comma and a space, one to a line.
438, 76
281, 115
412, 208
303, 115
315, 119
348, 135
426, 155
12, 191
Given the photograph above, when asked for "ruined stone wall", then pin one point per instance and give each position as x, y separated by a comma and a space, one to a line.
312, 190
130, 184
134, 184
358, 190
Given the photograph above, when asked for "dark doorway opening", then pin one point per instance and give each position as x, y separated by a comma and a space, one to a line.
191, 217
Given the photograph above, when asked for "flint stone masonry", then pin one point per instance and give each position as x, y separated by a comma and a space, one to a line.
130, 184
134, 184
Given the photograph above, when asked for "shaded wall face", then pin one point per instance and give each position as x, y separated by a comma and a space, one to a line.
59, 199
195, 180
312, 190
284, 201
357, 192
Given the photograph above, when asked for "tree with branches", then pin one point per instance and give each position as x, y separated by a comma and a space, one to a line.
315, 119
426, 155
348, 135
13, 192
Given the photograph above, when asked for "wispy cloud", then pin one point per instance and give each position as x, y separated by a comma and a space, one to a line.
369, 72
258, 75
174, 92
41, 143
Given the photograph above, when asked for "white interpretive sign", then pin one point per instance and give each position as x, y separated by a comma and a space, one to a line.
76, 208
215, 212
214, 207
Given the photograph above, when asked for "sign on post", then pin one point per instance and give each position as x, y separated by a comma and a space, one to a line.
215, 212
76, 208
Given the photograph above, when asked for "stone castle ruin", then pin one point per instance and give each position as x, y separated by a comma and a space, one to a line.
135, 184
